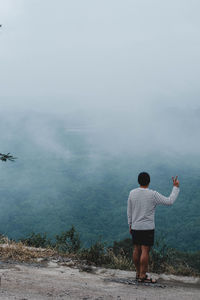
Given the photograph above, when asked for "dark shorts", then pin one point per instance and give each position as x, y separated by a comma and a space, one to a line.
143, 237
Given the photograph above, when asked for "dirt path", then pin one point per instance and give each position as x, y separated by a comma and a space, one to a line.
55, 281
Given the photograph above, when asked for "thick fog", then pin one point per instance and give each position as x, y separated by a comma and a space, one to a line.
92, 93
126, 72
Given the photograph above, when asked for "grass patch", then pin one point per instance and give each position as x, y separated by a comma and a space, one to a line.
163, 259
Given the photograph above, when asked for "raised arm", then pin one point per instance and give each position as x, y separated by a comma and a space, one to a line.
160, 199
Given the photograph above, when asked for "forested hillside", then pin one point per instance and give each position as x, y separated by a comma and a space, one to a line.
62, 178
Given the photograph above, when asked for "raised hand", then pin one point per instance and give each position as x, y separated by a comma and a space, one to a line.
175, 181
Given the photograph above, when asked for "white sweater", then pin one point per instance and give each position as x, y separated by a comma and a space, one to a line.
141, 206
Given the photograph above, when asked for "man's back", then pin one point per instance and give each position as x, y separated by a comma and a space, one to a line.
141, 206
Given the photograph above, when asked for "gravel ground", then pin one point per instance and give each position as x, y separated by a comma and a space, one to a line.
67, 281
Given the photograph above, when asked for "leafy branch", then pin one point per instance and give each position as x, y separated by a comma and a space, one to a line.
5, 157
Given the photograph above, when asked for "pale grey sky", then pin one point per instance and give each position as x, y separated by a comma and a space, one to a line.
125, 63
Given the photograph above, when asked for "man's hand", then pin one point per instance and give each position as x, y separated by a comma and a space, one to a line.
175, 181
130, 229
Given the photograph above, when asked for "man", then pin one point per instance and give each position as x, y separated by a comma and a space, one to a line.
140, 211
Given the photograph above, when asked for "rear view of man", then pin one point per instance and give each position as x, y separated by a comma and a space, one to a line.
141, 206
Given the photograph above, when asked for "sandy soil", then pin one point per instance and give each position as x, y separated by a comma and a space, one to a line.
67, 281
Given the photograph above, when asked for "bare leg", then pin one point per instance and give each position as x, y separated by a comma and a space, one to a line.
144, 260
136, 258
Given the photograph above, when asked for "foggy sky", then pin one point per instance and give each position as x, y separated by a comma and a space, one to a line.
130, 68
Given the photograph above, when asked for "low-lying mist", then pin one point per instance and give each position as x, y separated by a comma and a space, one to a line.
78, 169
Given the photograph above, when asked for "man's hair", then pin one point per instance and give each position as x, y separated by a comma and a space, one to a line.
143, 178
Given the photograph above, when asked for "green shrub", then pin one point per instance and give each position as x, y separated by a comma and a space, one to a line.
124, 248
120, 261
37, 240
159, 256
193, 260
68, 241
95, 254
166, 259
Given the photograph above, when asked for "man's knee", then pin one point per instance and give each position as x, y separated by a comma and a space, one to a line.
145, 249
